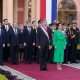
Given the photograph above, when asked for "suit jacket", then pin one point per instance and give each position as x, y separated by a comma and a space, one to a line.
41, 39
14, 39
28, 37
35, 32
79, 38
6, 33
2, 37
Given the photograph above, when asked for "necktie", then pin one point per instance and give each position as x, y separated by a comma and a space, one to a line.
21, 31
0, 31
29, 30
7, 28
16, 31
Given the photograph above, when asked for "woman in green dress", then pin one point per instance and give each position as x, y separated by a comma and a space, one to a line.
59, 43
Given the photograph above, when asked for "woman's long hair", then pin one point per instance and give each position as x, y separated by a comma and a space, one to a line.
57, 26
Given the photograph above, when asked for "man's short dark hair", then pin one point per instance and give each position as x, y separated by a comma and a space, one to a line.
5, 20
33, 22
52, 24
40, 21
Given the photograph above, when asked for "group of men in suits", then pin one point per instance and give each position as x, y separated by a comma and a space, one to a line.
12, 38
11, 42
35, 41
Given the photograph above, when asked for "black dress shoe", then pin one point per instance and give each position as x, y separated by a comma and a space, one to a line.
73, 62
29, 62
41, 69
45, 69
16, 63
65, 63
51, 62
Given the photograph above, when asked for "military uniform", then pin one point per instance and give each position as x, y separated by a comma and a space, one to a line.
74, 41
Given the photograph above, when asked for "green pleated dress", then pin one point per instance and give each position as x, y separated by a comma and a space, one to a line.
59, 42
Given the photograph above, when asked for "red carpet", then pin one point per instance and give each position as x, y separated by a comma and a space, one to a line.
32, 70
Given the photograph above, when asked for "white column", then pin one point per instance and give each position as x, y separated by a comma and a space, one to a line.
15, 11
33, 10
10, 11
25, 11
37, 10
5, 9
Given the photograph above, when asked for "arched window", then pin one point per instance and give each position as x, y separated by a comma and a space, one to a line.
67, 11
67, 4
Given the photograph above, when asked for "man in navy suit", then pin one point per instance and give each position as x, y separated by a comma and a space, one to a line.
6, 28
34, 46
28, 42
2, 43
43, 44
14, 41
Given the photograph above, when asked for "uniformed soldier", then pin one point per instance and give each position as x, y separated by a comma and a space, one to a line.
74, 31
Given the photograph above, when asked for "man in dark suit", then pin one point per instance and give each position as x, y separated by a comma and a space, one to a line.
37, 52
67, 53
51, 30
14, 41
74, 41
2, 43
43, 44
34, 46
28, 43
6, 28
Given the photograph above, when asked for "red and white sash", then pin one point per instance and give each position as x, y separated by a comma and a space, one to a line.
45, 31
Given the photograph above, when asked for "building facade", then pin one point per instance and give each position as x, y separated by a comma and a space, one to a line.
21, 10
